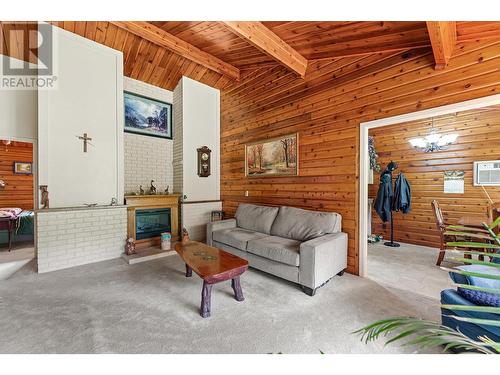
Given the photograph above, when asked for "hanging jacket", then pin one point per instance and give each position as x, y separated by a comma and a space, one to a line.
402, 195
383, 202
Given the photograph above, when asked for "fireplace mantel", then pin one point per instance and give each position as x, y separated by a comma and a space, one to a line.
144, 202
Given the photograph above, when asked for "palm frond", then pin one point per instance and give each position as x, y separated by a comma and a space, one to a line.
421, 333
470, 273
476, 245
486, 322
483, 236
493, 225
483, 309
474, 261
471, 252
466, 229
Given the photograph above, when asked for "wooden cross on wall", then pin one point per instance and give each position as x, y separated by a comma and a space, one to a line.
85, 139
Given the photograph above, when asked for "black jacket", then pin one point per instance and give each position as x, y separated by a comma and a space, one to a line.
383, 202
402, 195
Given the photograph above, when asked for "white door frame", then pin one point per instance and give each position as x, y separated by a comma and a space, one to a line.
364, 159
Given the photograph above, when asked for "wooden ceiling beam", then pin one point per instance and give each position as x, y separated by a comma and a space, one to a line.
164, 39
268, 42
443, 36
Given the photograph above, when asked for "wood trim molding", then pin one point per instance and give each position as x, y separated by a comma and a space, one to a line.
268, 42
164, 39
443, 36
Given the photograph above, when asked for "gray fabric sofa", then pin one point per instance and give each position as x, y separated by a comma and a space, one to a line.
305, 247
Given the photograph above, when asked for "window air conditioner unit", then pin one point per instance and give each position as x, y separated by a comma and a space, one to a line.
487, 173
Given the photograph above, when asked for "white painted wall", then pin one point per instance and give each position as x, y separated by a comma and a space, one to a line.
88, 99
200, 127
18, 113
196, 124
147, 158
195, 217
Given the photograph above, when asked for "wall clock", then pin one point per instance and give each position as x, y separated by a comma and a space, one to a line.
204, 161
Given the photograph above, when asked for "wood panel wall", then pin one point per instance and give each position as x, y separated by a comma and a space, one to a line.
326, 108
19, 189
479, 139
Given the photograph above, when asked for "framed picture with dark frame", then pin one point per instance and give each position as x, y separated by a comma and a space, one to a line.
21, 167
147, 116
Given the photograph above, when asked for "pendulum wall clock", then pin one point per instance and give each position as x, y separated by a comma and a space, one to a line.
204, 161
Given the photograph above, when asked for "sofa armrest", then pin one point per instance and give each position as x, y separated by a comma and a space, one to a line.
218, 225
322, 258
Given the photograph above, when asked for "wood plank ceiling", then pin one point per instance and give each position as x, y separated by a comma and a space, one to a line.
148, 60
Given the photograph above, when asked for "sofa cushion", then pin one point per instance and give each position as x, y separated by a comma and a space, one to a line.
477, 280
474, 296
283, 250
256, 218
236, 237
304, 225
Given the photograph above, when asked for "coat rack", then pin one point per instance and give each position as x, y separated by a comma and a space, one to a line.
391, 167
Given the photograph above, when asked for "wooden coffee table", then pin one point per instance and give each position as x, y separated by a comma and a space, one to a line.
213, 266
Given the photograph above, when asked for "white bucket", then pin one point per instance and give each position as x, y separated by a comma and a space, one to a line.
166, 238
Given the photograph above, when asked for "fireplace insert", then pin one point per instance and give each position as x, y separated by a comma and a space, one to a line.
151, 223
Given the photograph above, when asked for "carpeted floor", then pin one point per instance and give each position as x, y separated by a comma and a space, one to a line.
408, 267
111, 307
12, 261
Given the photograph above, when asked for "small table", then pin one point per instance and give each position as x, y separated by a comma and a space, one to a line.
8, 223
213, 266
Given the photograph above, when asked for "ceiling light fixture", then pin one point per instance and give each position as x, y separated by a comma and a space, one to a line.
433, 141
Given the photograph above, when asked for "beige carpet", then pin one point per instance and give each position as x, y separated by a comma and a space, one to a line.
12, 261
408, 267
111, 307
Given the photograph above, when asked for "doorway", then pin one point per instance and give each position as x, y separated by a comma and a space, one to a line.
17, 205
364, 160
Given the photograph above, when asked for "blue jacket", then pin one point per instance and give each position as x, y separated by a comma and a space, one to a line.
383, 202
402, 195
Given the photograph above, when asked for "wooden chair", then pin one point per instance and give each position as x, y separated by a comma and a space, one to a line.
468, 233
441, 226
493, 212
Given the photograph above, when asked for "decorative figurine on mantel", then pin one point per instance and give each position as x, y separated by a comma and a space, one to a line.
45, 196
130, 246
185, 235
141, 190
114, 202
166, 190
152, 188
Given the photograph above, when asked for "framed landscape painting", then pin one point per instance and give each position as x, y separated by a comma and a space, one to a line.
272, 157
147, 116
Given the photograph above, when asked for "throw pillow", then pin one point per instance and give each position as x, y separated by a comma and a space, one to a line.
480, 298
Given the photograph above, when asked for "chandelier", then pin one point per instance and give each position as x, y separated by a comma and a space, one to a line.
433, 141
